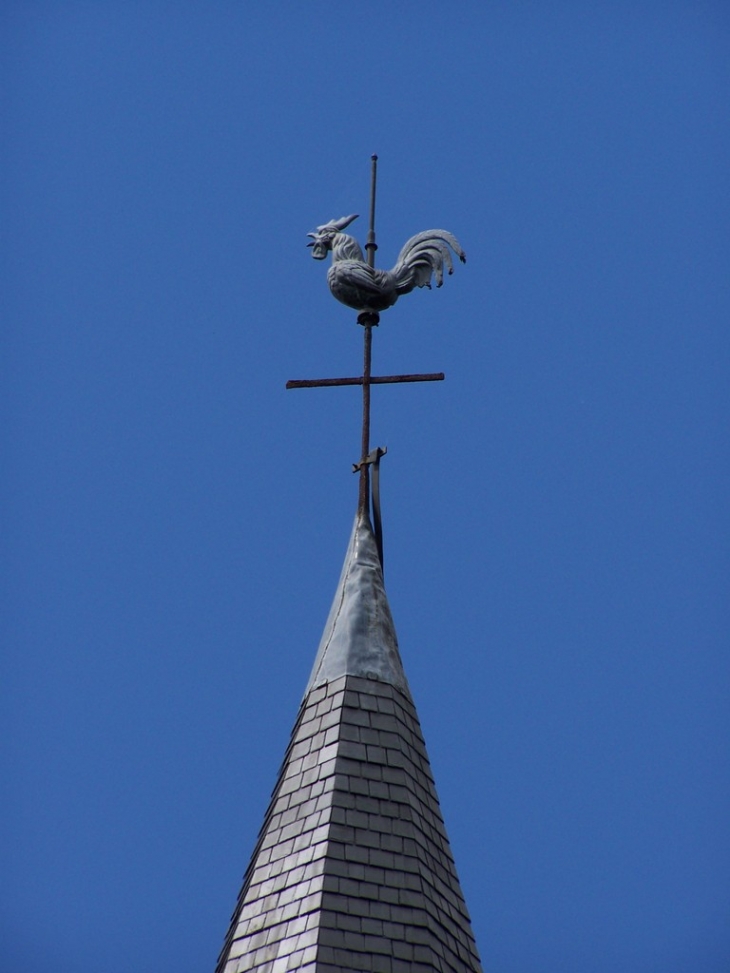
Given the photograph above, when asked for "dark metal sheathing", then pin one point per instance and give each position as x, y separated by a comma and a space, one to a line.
359, 638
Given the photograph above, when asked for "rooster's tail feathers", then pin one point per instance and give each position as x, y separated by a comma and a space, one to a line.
424, 256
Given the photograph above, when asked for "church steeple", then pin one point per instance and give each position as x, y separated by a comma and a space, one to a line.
352, 871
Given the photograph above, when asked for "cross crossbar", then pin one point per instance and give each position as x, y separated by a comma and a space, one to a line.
313, 383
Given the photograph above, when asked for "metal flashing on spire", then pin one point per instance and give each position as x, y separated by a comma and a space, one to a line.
359, 638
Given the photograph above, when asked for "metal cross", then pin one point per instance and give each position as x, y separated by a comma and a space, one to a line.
369, 320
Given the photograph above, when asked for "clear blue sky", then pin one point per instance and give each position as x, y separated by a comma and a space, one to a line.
556, 525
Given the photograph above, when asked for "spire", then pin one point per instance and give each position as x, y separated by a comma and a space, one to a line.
352, 870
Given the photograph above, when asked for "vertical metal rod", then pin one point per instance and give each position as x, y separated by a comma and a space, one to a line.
371, 246
364, 494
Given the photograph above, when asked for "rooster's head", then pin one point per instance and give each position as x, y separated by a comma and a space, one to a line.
322, 240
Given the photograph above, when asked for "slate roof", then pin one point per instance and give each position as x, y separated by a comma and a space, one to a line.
352, 870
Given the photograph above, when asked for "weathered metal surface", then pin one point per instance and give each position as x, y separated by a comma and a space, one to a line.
359, 638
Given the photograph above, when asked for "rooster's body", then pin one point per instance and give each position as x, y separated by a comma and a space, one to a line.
358, 285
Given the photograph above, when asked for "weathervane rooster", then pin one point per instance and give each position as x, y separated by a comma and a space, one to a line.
358, 285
